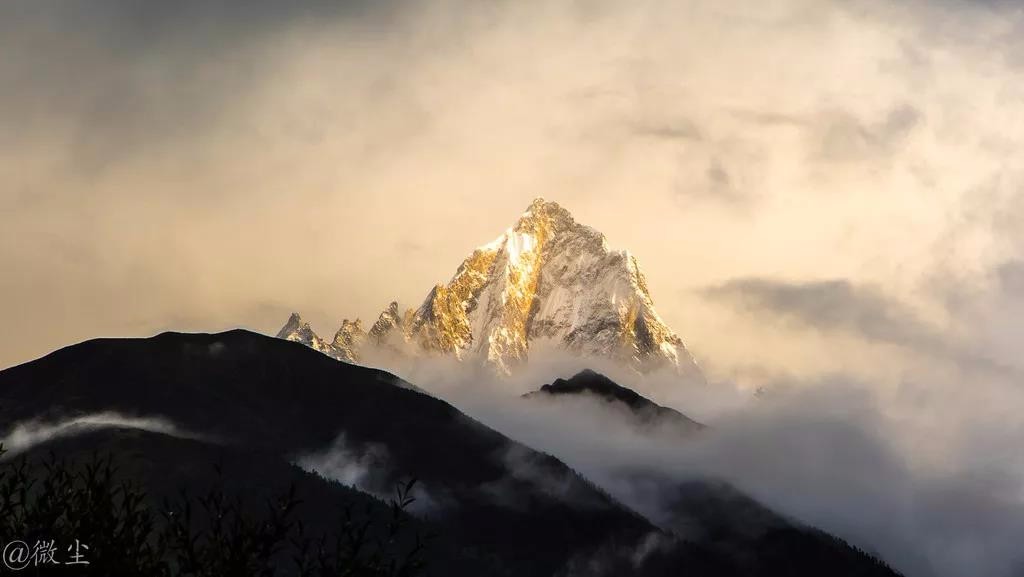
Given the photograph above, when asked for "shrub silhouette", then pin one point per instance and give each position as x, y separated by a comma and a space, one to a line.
216, 534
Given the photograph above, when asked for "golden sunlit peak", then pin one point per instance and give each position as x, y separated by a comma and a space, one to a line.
540, 204
542, 207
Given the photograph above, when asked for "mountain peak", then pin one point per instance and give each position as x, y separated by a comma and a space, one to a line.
643, 411
343, 348
546, 279
294, 323
591, 381
389, 330
546, 209
547, 219
293, 327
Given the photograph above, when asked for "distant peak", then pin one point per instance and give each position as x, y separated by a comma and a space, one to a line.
544, 215
590, 380
542, 206
537, 202
351, 325
547, 278
646, 411
294, 323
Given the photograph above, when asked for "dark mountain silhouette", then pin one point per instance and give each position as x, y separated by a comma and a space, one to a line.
171, 468
281, 398
726, 523
257, 404
756, 540
643, 412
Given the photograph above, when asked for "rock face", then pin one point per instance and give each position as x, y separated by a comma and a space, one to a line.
389, 332
347, 342
547, 280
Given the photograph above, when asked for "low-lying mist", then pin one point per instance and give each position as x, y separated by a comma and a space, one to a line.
924, 474
23, 436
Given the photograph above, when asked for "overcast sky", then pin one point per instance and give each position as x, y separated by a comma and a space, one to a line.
810, 186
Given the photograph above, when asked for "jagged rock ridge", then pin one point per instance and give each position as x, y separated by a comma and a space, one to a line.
347, 343
547, 280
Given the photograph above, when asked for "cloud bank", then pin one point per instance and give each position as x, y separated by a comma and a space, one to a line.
926, 477
202, 165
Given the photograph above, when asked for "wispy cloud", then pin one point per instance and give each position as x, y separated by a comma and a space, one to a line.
862, 311
367, 468
27, 435
836, 305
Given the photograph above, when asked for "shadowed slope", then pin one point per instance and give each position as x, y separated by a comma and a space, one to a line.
644, 412
280, 398
261, 403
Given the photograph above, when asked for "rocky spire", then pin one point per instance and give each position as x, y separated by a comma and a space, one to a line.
546, 278
291, 327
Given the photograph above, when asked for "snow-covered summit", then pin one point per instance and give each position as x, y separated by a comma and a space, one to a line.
547, 279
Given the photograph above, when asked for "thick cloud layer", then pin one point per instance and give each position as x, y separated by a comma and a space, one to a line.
825, 196
926, 476
199, 165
